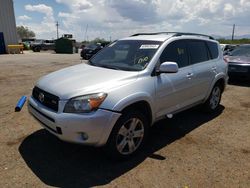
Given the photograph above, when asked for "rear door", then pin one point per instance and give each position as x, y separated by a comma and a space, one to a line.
203, 65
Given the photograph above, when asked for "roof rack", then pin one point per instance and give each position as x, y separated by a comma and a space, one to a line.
175, 34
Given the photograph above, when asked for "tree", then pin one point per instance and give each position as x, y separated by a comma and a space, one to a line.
235, 41
99, 40
24, 32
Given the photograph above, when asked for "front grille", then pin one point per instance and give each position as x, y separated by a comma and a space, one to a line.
47, 99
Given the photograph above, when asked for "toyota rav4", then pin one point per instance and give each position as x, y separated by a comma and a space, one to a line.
116, 96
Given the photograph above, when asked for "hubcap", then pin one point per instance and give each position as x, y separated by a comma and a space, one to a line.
130, 136
215, 98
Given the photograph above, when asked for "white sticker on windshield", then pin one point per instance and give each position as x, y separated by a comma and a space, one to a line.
149, 46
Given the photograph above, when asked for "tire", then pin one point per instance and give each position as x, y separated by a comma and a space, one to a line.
128, 135
213, 101
38, 49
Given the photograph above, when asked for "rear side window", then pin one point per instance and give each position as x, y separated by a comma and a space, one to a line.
175, 52
213, 49
198, 51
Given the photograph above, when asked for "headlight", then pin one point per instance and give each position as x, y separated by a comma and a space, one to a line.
84, 104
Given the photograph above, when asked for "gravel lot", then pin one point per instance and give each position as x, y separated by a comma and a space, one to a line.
191, 150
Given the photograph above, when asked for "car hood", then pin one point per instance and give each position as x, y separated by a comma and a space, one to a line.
86, 48
84, 79
238, 59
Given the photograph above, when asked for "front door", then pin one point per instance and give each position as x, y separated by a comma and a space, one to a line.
174, 90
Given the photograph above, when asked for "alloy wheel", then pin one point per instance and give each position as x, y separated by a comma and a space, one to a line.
215, 97
130, 136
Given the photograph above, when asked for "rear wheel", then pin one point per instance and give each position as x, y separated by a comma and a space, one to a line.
38, 49
128, 135
214, 99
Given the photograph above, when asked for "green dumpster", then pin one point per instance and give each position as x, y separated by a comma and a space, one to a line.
64, 46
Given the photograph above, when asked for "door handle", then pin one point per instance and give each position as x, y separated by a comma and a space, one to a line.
213, 68
190, 75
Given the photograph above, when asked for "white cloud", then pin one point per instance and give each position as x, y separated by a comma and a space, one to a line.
229, 10
67, 15
24, 18
77, 5
42, 8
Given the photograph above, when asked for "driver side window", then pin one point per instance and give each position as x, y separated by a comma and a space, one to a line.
175, 52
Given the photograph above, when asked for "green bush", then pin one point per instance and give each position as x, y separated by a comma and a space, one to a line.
236, 41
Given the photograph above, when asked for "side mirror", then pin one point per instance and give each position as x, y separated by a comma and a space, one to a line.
168, 67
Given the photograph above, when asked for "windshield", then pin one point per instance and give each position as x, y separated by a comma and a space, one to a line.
38, 41
130, 55
91, 46
241, 51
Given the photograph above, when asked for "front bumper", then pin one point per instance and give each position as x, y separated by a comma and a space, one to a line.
74, 127
85, 55
239, 70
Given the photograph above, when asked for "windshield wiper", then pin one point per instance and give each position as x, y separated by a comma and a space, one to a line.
109, 67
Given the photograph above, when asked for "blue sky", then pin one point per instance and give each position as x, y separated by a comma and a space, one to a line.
120, 18
19, 7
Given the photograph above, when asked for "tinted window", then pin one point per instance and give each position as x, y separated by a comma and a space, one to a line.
198, 51
176, 52
213, 49
91, 46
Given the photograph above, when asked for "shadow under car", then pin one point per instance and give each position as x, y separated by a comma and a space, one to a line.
62, 164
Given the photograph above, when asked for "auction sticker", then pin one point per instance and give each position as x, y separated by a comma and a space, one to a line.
149, 46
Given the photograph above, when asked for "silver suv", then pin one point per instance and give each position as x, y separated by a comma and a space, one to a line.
114, 98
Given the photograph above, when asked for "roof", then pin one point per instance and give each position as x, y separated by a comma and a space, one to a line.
158, 37
162, 36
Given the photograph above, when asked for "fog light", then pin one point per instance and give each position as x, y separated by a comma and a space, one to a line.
84, 136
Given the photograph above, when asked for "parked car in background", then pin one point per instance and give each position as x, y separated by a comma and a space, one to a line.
90, 50
125, 88
39, 45
226, 48
239, 62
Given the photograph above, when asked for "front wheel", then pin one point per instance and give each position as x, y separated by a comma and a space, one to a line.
128, 135
214, 99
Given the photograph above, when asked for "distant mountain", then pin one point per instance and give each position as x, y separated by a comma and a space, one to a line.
229, 37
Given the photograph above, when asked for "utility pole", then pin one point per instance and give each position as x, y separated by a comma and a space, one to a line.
233, 32
57, 25
85, 37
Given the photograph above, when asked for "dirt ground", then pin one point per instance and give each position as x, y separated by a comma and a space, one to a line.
191, 150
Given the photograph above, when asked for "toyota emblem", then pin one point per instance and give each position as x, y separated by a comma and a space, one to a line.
41, 97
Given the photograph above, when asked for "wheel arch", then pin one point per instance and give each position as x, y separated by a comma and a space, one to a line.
140, 101
221, 80
141, 106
